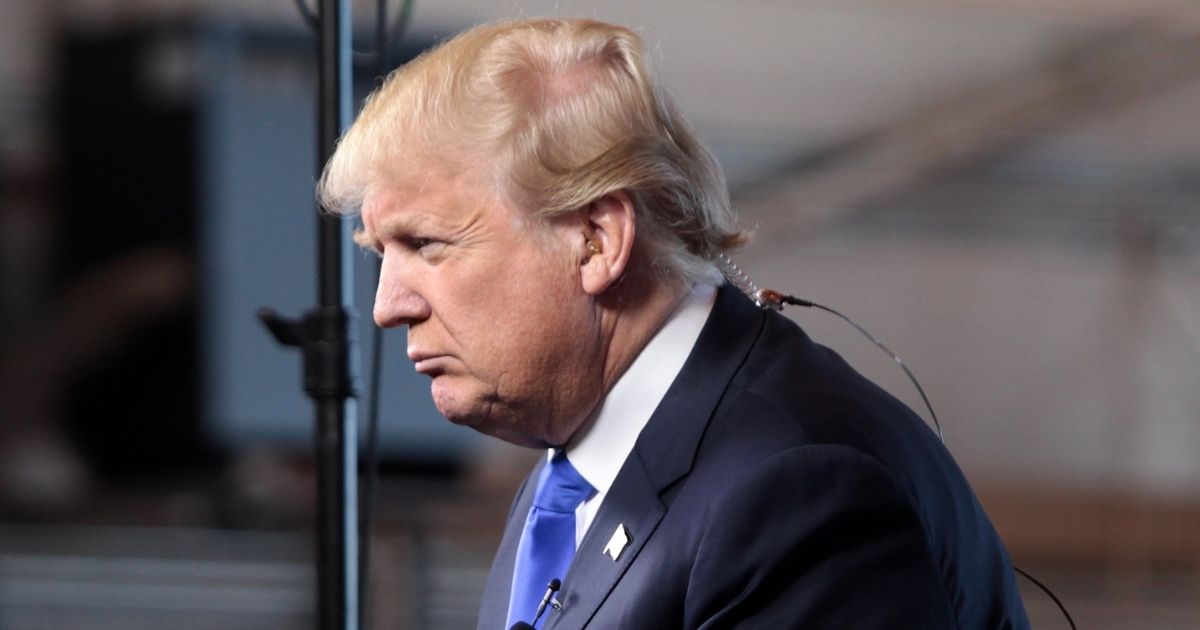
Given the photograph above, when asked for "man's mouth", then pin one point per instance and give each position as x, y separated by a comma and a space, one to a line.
429, 364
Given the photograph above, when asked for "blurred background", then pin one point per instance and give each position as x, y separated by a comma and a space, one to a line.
1006, 192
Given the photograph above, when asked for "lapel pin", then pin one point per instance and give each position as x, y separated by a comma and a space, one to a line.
618, 542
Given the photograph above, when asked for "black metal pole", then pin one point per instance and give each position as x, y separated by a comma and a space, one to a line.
324, 335
330, 383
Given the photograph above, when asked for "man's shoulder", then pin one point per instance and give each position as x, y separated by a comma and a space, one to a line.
787, 377
800, 417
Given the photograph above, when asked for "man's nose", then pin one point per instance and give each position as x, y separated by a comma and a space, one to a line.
397, 301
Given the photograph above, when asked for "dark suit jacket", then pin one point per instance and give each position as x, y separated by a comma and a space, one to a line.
774, 487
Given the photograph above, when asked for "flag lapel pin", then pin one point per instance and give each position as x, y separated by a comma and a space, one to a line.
620, 539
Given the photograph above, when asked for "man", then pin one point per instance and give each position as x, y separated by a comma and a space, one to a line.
549, 228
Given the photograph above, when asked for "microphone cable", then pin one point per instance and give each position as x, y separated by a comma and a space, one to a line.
768, 298
775, 300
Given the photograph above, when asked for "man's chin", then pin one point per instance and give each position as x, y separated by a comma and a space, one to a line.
482, 413
509, 432
512, 437
465, 409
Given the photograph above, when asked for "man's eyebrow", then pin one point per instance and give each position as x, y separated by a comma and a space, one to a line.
399, 226
365, 239
389, 228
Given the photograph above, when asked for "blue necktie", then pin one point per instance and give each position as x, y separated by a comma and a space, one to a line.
548, 542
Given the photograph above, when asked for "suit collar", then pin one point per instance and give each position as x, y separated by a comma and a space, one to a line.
663, 454
599, 449
668, 444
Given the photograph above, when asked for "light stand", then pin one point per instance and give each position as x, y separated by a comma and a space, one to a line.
323, 335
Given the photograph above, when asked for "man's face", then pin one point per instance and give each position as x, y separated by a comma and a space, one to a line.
495, 312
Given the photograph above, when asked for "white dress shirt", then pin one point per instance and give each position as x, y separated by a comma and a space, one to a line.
600, 448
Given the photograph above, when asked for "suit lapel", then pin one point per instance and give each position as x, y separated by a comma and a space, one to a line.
593, 573
662, 455
667, 445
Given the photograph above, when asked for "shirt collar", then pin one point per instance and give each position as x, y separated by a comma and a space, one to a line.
606, 440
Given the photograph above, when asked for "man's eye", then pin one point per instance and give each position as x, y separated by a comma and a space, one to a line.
429, 248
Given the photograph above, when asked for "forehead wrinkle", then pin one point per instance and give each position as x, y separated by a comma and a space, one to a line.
439, 212
401, 224
449, 196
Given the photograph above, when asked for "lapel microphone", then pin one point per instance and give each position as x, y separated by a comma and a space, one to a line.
551, 589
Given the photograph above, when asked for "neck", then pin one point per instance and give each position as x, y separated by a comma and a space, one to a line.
631, 317
627, 316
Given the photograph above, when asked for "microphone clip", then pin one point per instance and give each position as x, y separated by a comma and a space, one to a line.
547, 600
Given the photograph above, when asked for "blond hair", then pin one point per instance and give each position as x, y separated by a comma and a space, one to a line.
564, 112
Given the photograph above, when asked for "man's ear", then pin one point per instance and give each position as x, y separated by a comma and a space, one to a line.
609, 225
